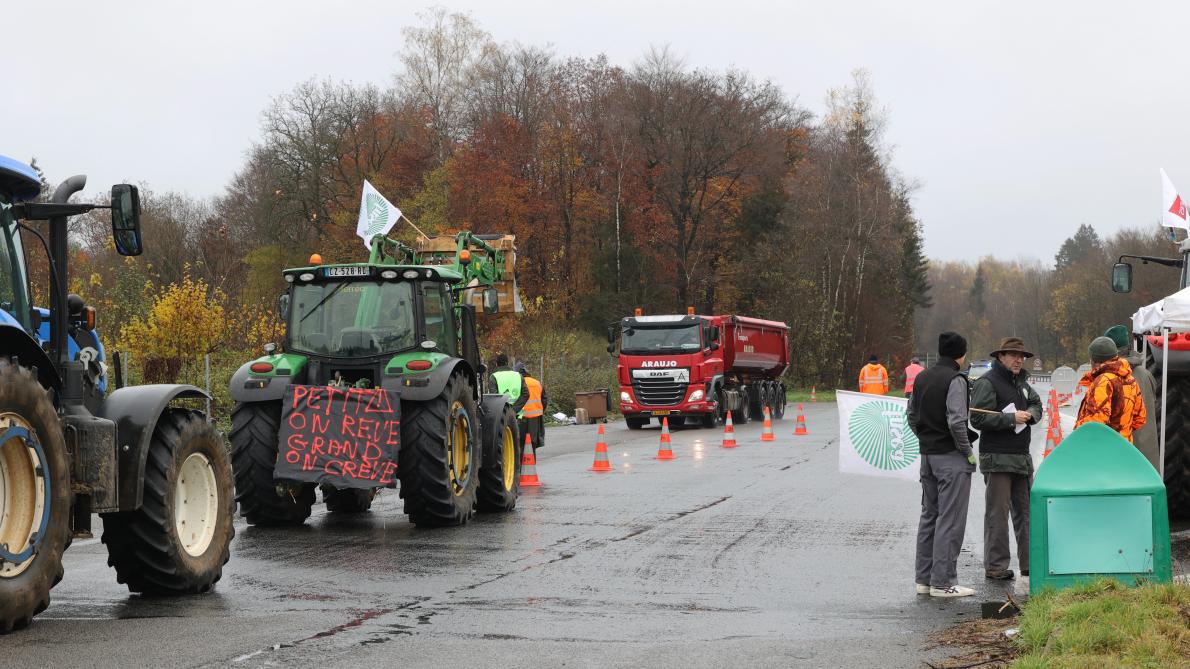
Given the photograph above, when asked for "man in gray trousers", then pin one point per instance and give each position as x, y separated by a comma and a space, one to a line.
938, 414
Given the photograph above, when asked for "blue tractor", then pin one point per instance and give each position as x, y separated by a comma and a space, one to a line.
157, 473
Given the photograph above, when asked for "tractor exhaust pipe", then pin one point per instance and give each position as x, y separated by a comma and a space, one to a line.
58, 255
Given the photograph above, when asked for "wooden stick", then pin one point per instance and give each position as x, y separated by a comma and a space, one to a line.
994, 413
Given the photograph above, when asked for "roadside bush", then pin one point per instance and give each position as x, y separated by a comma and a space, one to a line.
185, 321
567, 360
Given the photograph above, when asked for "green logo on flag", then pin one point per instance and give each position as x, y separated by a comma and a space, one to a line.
377, 214
880, 434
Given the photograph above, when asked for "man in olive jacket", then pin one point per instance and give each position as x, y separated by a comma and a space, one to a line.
1004, 455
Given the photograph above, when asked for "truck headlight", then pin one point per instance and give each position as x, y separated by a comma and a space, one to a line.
624, 396
697, 395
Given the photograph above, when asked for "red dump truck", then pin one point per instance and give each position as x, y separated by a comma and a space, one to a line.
697, 368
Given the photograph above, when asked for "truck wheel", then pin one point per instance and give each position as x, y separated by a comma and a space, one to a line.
35, 497
757, 397
742, 415
635, 423
500, 475
1177, 453
440, 456
721, 410
779, 402
348, 500
253, 456
177, 542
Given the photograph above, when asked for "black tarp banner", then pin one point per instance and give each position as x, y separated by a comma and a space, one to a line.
346, 437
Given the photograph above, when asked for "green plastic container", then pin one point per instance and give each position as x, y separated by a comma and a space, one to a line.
1097, 508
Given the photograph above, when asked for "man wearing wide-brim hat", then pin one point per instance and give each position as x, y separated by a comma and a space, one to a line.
1012, 405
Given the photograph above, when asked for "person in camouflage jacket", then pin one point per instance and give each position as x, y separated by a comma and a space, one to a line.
1114, 397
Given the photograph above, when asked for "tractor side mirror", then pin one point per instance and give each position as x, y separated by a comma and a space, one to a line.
491, 301
1121, 277
126, 219
714, 346
611, 335
283, 307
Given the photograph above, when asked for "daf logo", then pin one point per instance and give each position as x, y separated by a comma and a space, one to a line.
659, 363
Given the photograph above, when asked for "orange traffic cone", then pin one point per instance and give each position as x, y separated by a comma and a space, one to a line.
767, 433
801, 420
601, 462
729, 433
664, 452
529, 466
813, 394
1050, 442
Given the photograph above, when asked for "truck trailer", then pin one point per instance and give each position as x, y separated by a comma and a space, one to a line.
695, 369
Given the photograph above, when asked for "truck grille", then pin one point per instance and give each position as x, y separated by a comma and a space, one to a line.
659, 392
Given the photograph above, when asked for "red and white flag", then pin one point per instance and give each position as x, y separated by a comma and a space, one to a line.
1173, 208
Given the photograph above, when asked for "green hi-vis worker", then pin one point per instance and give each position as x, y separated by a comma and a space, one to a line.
510, 382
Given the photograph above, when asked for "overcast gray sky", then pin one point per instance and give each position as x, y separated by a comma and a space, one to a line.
1020, 120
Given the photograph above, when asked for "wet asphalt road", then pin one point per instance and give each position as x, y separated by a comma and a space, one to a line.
763, 555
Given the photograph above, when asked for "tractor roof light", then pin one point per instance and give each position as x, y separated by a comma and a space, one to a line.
289, 278
410, 274
306, 276
315, 259
89, 318
388, 274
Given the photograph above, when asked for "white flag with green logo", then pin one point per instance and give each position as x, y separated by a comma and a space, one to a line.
874, 436
376, 215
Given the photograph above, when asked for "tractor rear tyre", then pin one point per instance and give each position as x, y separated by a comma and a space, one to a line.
635, 423
177, 542
1177, 451
500, 475
34, 490
254, 428
440, 456
348, 500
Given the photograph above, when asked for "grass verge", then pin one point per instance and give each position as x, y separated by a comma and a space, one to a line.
1105, 624
803, 394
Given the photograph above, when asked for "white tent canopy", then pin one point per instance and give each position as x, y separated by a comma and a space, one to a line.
1163, 317
1172, 313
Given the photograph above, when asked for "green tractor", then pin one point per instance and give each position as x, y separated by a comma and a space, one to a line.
401, 322
157, 473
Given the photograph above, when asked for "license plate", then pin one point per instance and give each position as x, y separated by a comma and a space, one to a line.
335, 272
664, 412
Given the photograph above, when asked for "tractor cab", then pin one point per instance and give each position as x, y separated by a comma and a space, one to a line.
353, 322
18, 182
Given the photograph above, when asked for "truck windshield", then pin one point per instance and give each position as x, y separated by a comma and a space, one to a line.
355, 318
669, 339
12, 278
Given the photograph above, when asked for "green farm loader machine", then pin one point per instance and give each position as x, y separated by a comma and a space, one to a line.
379, 382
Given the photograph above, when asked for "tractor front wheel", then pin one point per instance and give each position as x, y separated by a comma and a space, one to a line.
440, 456
254, 428
178, 540
34, 497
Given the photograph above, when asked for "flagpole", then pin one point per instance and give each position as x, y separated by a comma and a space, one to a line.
415, 227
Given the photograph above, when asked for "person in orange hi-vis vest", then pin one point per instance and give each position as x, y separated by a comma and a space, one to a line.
873, 378
532, 416
911, 373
